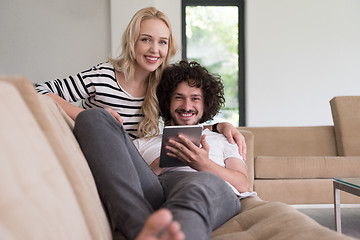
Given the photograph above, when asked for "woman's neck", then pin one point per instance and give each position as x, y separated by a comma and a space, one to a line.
136, 86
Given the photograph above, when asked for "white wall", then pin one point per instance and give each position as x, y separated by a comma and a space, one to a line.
299, 53
47, 39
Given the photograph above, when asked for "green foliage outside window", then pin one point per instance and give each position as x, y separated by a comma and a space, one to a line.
212, 40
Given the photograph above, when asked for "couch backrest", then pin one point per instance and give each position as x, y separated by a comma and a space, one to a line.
293, 141
37, 200
346, 117
56, 126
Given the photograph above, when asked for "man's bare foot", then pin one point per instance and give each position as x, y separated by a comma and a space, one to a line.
161, 226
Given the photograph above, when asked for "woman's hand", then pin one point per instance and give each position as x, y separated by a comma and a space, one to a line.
231, 133
115, 114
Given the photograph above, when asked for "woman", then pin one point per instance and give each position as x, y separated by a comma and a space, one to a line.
126, 86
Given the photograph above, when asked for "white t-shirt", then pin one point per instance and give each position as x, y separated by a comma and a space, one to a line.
220, 150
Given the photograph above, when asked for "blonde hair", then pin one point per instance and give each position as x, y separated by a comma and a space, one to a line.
126, 64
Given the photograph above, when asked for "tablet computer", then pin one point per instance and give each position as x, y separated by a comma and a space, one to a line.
192, 132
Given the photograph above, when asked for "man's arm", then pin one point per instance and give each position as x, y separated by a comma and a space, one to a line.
240, 180
198, 158
233, 173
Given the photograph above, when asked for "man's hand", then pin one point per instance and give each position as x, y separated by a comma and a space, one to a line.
155, 166
115, 114
194, 156
231, 133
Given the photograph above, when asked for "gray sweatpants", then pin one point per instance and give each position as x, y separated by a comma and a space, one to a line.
131, 192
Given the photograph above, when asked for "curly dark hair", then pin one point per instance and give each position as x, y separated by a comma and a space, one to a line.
196, 76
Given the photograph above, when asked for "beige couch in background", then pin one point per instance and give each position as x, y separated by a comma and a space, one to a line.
48, 192
296, 165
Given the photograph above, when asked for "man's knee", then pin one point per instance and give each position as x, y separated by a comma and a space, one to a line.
205, 183
93, 117
210, 178
91, 120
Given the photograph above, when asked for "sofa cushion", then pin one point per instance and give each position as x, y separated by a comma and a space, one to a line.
57, 128
300, 191
306, 167
261, 220
346, 116
37, 200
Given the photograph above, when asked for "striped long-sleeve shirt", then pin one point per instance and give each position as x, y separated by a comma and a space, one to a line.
98, 87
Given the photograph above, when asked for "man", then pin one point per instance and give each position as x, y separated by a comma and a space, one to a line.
200, 200
189, 95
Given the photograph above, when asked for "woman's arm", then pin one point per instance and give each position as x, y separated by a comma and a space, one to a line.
71, 110
231, 133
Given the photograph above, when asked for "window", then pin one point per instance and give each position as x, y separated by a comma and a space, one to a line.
213, 35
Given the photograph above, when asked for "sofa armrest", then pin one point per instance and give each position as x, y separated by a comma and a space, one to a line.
346, 117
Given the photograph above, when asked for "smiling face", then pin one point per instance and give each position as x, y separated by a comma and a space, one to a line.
187, 105
152, 45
